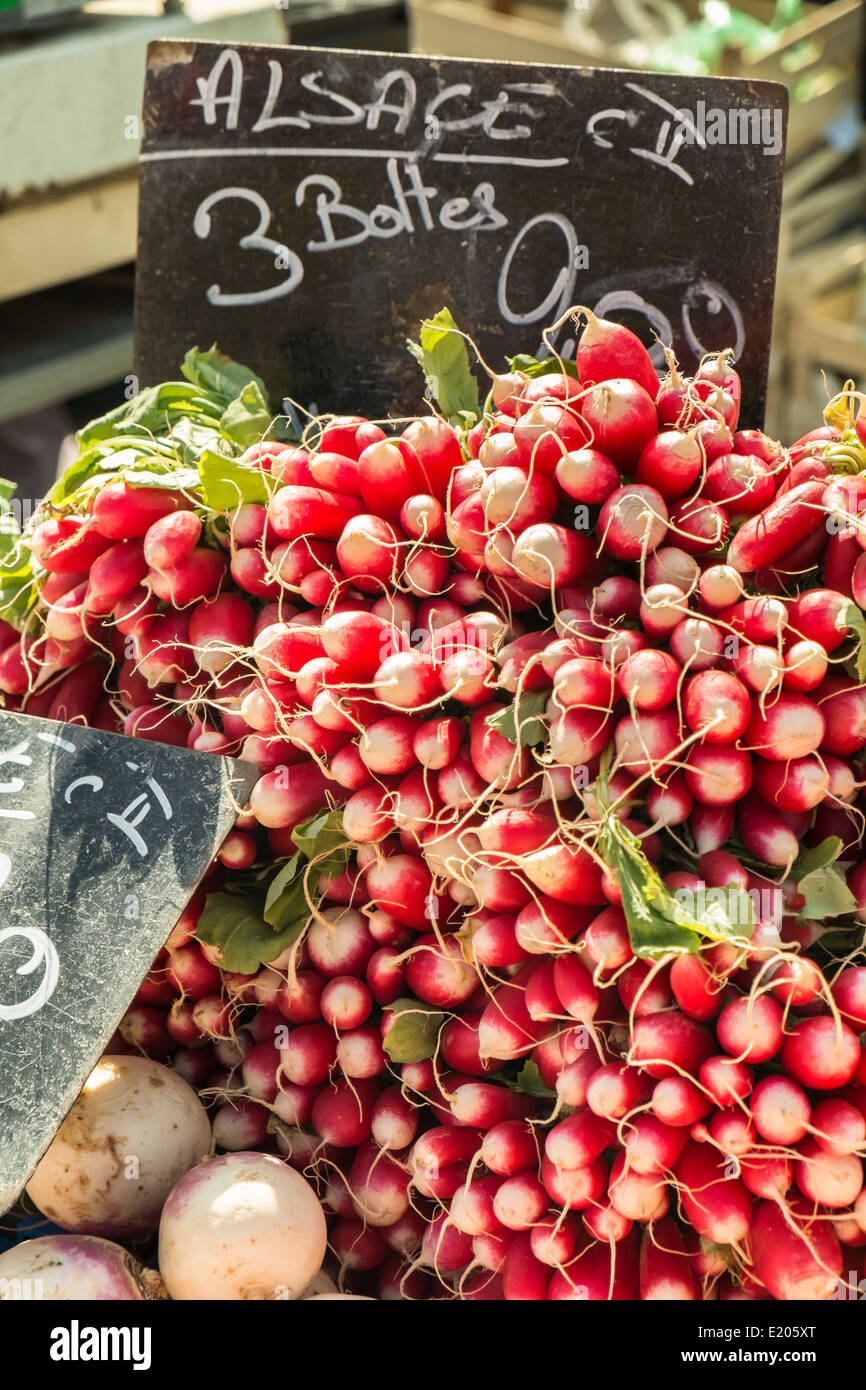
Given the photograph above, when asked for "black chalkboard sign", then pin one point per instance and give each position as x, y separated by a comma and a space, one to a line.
102, 841
306, 207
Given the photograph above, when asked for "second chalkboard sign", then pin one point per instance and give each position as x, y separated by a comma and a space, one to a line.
305, 208
102, 841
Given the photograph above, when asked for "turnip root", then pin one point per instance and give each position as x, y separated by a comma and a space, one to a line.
134, 1130
240, 1227
76, 1269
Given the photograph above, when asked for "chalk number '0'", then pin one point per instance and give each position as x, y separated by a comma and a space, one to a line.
253, 241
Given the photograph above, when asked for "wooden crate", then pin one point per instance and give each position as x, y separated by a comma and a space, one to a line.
823, 50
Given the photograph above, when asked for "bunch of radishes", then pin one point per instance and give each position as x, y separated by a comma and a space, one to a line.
566, 675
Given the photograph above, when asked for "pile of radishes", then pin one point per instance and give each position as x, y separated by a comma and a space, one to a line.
580, 684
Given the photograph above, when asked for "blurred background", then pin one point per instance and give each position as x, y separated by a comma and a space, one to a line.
71, 79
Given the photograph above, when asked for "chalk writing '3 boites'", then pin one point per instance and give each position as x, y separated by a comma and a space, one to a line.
129, 819
44, 954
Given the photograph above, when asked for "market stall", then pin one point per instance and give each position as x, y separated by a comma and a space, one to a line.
463, 735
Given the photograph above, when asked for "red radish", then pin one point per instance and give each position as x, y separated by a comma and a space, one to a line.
648, 679
67, 545
769, 1177
818, 616
842, 703
791, 727
725, 1081
698, 526
288, 796
797, 785
671, 462
356, 1245
718, 776
750, 1028
605, 1223
339, 942
632, 521
524, 1278
249, 570
677, 1101
520, 1202
795, 1258
367, 552
217, 628
438, 973
646, 741
608, 349
379, 1186
839, 1128
670, 565
553, 1239
718, 1206
614, 1090
342, 1112
663, 608
696, 643
766, 834
345, 1002
720, 587
114, 573
665, 1043
665, 1268
787, 520
311, 511
171, 539
587, 476
308, 1054
695, 988
197, 576
849, 992
742, 483
574, 1189
621, 418
637, 1197
820, 1053
122, 512
552, 557
509, 1147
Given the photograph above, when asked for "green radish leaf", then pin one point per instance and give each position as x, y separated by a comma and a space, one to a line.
413, 1035
245, 419
530, 366
180, 479
323, 841
444, 356
659, 921
852, 619
530, 1083
234, 923
822, 883
151, 412
522, 722
227, 484
214, 371
286, 900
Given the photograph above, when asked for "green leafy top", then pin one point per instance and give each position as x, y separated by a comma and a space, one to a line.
444, 356
182, 435
822, 883
413, 1033
659, 921
532, 367
267, 911
522, 721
